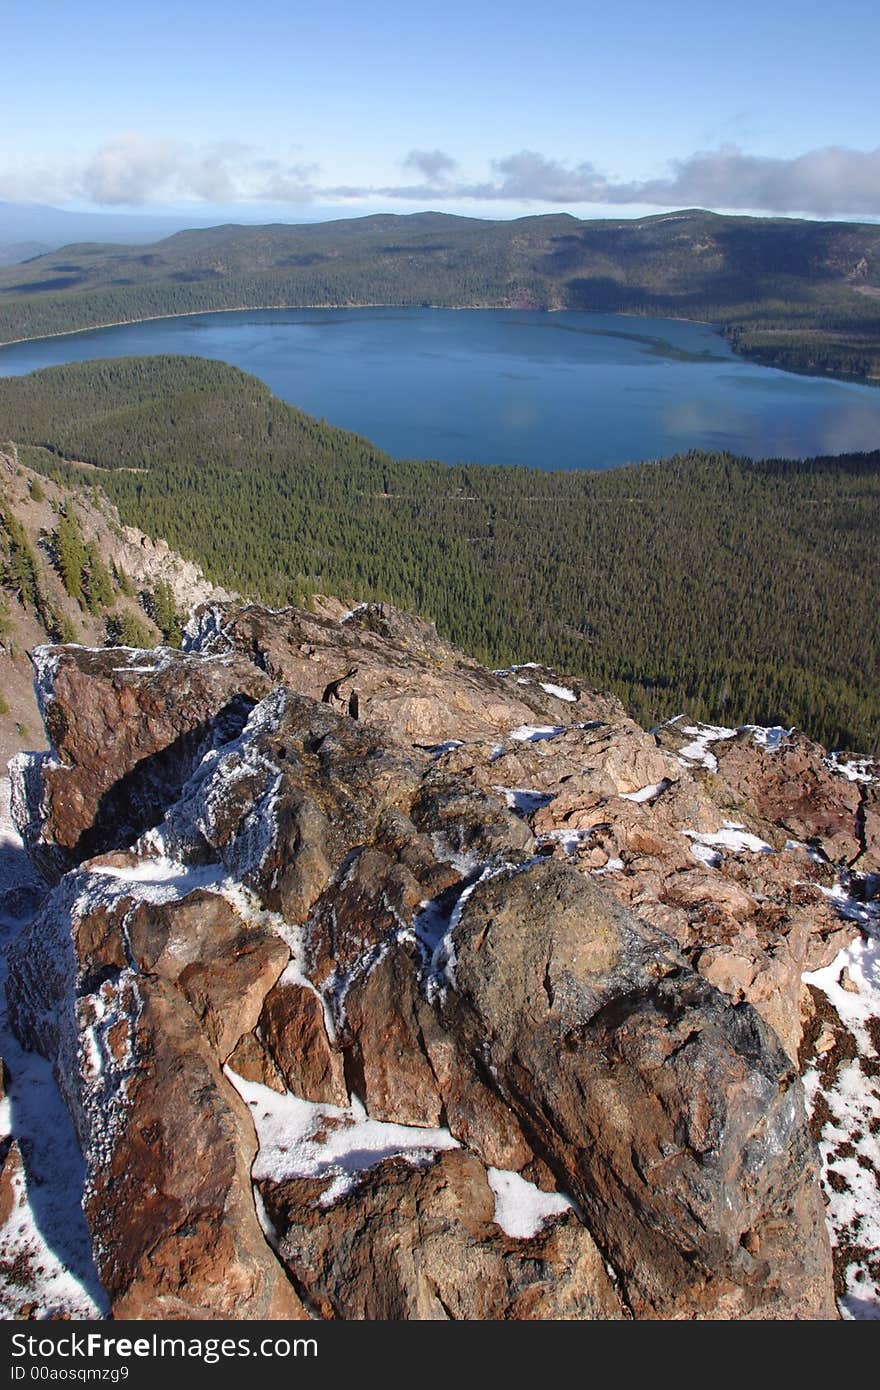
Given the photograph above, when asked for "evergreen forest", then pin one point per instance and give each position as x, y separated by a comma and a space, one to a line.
735, 590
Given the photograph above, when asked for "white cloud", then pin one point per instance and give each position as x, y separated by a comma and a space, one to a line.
432, 164
829, 182
134, 170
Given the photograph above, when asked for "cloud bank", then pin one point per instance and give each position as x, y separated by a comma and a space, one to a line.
134, 170
829, 182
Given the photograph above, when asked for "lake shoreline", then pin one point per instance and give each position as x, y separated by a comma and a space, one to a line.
718, 328
546, 388
309, 308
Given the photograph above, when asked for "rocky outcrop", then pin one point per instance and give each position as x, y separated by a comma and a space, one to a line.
404, 968
794, 789
126, 730
138, 1002
407, 678
676, 1121
412, 1242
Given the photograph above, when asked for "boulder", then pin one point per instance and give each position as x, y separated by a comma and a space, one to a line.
294, 1035
675, 1119
791, 786
136, 1002
127, 729
422, 1243
419, 688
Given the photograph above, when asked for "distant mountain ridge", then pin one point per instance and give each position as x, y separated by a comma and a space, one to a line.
797, 294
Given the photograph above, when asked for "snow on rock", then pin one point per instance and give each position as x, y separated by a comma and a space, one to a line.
843, 1090
152, 880
438, 749
205, 631
854, 769
864, 910
434, 927
535, 733
561, 692
521, 1208
769, 738
648, 793
346, 617
194, 822
614, 866
732, 836
525, 801
45, 661
301, 1139
46, 1264
697, 752
569, 840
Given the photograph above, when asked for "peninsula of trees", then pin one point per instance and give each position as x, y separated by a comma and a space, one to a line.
736, 590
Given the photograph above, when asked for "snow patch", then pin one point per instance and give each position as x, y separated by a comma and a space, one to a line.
301, 1139
648, 793
864, 910
733, 837
438, 749
536, 733
614, 866
569, 839
525, 801
848, 1142
44, 1239
434, 926
697, 752
521, 1208
854, 769
205, 631
561, 692
771, 739
351, 612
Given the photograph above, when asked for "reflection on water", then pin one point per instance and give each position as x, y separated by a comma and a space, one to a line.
560, 390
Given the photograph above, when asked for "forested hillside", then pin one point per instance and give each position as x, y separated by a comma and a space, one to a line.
742, 591
802, 295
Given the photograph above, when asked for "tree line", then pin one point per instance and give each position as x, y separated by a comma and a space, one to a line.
741, 591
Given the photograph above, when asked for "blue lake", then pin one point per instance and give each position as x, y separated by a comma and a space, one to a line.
562, 390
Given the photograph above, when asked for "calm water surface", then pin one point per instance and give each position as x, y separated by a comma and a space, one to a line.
564, 390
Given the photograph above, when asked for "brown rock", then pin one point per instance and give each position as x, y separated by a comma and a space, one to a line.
12, 1182
792, 787
250, 1060
421, 1243
420, 689
475, 1112
168, 1144
223, 966
294, 1034
675, 1120
389, 1064
126, 735
172, 1216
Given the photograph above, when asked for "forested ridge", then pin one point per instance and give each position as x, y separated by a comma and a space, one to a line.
797, 294
741, 591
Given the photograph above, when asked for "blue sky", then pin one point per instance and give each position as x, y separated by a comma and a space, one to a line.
490, 108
